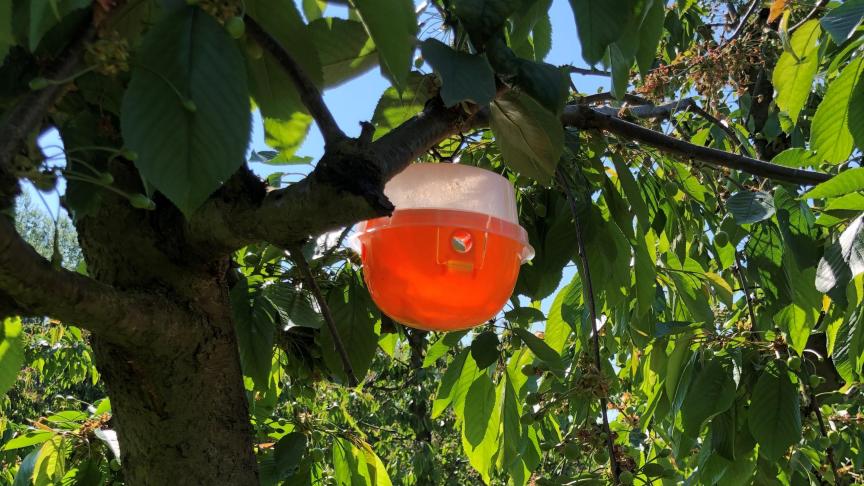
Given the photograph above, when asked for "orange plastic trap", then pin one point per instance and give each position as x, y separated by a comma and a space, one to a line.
448, 257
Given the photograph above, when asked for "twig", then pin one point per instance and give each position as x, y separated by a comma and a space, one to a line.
303, 266
586, 71
584, 117
607, 96
592, 313
738, 270
27, 115
819, 6
310, 95
743, 22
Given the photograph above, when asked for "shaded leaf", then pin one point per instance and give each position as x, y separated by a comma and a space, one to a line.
197, 150
484, 349
750, 207
775, 420
531, 138
464, 77
392, 25
841, 22
344, 48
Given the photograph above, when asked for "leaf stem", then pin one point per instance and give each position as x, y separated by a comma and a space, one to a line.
592, 313
302, 265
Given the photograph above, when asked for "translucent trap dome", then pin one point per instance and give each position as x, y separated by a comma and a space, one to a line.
448, 257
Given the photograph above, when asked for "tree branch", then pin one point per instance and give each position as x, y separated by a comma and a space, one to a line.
813, 13
309, 93
592, 314
743, 22
27, 115
36, 288
303, 266
345, 187
586, 71
586, 118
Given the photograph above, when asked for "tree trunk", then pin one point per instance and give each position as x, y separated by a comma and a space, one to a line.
179, 404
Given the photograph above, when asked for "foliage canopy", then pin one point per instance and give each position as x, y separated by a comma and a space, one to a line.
694, 313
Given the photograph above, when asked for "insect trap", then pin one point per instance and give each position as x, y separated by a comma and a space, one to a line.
448, 257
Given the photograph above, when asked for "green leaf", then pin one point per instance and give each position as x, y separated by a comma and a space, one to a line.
830, 135
847, 181
842, 21
255, 334
45, 14
750, 207
479, 404
480, 425
27, 439
349, 464
289, 452
563, 315
440, 347
394, 108
196, 151
464, 77
649, 36
447, 386
540, 349
775, 420
11, 353
856, 114
530, 137
600, 23
314, 9
50, 466
286, 134
24, 476
271, 86
294, 306
547, 84
848, 353
621, 64
344, 48
712, 391
794, 73
392, 25
511, 428
484, 349
843, 260
353, 313
646, 278
484, 19
796, 322
524, 315
796, 157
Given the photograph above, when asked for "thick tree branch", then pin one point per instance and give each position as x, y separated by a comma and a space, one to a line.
586, 118
345, 187
34, 287
310, 95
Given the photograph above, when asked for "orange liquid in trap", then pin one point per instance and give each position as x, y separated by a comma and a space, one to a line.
441, 269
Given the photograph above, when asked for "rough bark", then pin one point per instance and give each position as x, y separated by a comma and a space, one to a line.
179, 404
